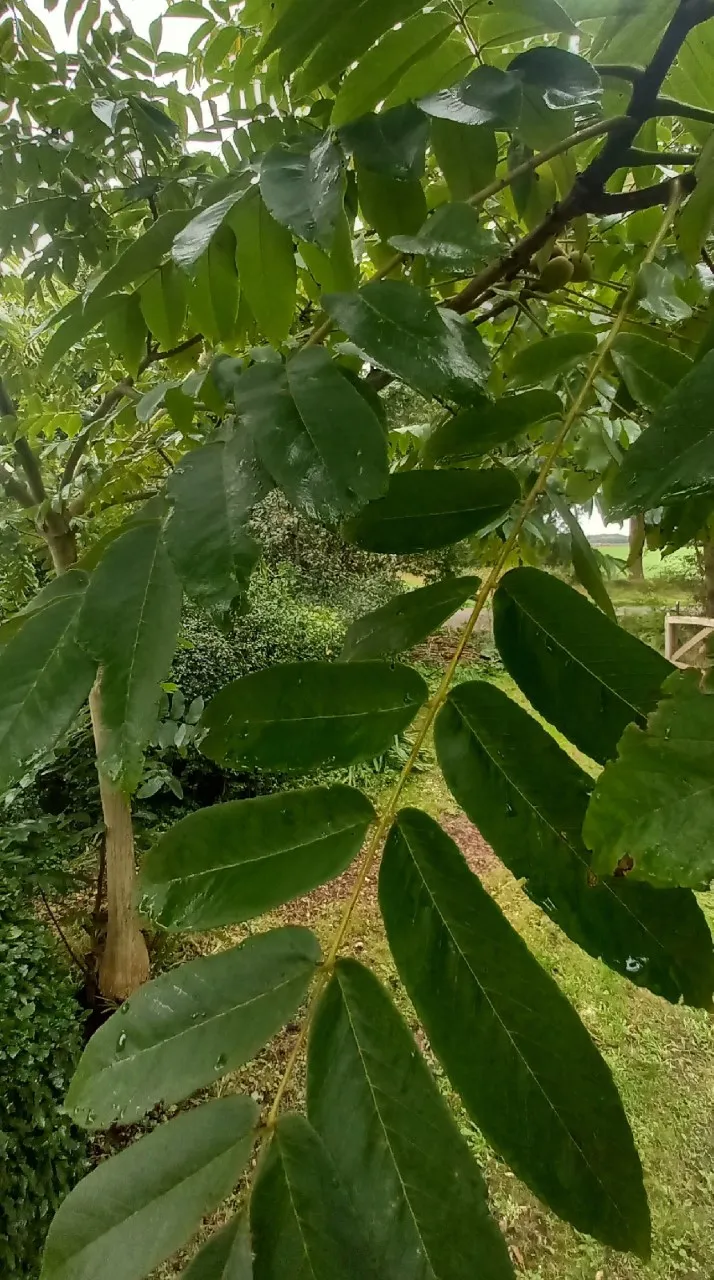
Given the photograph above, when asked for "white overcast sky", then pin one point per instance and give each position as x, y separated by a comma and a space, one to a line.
176, 34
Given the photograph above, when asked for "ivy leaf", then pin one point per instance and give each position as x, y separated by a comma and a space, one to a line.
194, 239
565, 79
475, 432
298, 716
674, 457
399, 328
381, 69
226, 1255
44, 679
314, 433
143, 255
654, 805
191, 1025
139, 1207
649, 370
392, 143
234, 861
406, 620
528, 799
545, 359
656, 293
128, 623
305, 190
266, 266
452, 237
513, 1047
423, 510
487, 96
302, 1221
212, 492
372, 1099
579, 670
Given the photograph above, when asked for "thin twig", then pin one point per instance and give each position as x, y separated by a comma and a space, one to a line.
80, 963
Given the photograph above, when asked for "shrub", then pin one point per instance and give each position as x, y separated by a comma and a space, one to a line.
42, 1155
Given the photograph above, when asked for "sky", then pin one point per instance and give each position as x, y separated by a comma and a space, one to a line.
176, 34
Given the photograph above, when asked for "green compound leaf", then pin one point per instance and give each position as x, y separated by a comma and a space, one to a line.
423, 510
398, 327
654, 805
234, 861
190, 1026
581, 671
528, 799
139, 1207
302, 1220
394, 1141
513, 1047
406, 620
298, 716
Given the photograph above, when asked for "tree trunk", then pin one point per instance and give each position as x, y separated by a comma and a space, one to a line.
637, 546
124, 965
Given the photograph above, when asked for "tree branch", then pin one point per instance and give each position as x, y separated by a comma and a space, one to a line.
153, 356
672, 107
645, 198
638, 157
111, 399
31, 467
14, 488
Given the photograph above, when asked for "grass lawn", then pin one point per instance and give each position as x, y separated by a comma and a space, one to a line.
662, 1058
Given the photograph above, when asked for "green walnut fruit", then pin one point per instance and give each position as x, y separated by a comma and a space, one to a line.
582, 267
555, 274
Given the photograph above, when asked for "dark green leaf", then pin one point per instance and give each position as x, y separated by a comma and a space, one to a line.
649, 369
400, 329
314, 433
513, 1047
528, 799
487, 96
565, 79
453, 237
74, 328
381, 69
305, 190
394, 1141
656, 293
392, 143
584, 557
125, 331
407, 619
191, 1025
302, 1221
163, 305
654, 805
546, 358
674, 457
581, 671
423, 510
212, 492
389, 205
234, 861
139, 1207
342, 35
44, 679
226, 1255
694, 222
128, 623
298, 716
467, 155
195, 238
144, 254
475, 432
520, 19
72, 582
266, 265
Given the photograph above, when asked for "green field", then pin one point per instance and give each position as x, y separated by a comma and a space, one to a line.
679, 564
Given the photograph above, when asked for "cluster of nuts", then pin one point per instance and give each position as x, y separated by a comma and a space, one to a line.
563, 268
